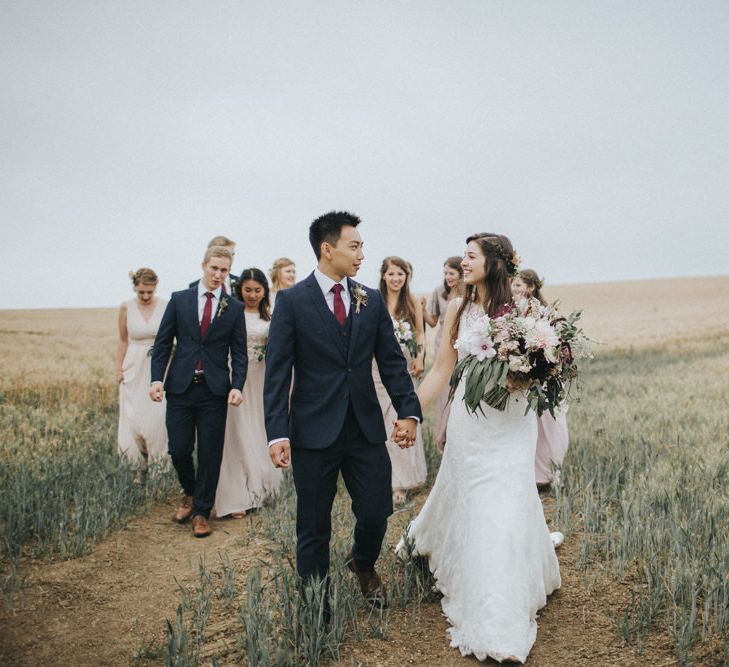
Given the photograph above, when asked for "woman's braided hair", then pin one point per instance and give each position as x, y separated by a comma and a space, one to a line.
143, 276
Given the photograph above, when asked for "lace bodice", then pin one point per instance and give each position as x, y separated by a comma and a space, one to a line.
472, 313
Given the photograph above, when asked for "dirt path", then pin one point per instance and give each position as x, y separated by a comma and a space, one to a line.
103, 608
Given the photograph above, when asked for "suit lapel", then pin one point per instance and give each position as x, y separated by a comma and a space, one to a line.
193, 310
327, 317
356, 317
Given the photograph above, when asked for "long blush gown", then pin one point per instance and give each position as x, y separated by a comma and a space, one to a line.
438, 306
142, 434
483, 530
409, 469
247, 476
552, 443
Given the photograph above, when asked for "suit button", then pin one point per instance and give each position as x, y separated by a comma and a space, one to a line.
349, 370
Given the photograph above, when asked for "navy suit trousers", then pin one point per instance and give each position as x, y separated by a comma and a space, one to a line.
199, 412
367, 473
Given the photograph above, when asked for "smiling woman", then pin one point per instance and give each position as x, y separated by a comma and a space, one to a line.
283, 276
409, 469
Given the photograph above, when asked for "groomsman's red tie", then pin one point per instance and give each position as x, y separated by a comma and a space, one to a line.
205, 321
339, 311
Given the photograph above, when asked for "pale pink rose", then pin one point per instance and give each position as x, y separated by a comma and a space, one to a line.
543, 337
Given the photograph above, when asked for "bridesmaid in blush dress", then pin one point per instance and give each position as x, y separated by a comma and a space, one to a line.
247, 477
142, 434
553, 439
283, 276
409, 469
434, 314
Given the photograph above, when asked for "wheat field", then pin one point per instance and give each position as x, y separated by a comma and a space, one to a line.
643, 503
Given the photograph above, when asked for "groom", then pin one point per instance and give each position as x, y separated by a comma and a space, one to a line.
209, 327
328, 328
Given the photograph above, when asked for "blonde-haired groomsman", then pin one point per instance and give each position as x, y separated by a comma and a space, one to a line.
231, 281
209, 327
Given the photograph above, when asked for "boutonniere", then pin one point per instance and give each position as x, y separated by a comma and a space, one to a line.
360, 298
222, 306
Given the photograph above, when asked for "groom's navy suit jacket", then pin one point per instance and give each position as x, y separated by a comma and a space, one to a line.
226, 334
329, 374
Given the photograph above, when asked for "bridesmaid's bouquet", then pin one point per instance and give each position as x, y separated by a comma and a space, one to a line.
526, 346
406, 336
259, 349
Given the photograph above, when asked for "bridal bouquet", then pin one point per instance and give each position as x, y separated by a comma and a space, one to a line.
406, 336
527, 346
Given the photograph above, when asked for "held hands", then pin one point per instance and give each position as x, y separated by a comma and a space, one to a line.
280, 453
235, 397
417, 367
404, 432
156, 392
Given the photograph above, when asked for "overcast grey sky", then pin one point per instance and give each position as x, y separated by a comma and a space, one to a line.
594, 134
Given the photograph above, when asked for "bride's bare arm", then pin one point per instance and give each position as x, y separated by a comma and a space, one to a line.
440, 374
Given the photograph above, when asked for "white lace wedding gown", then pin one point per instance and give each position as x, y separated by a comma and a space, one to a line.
483, 530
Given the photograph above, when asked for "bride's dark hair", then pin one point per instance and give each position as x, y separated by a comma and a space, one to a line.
495, 292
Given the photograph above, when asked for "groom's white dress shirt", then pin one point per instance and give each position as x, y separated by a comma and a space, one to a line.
326, 284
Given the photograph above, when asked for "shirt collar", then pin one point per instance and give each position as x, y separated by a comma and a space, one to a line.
201, 289
326, 283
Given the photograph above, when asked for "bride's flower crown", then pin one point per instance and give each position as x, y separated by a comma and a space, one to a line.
512, 261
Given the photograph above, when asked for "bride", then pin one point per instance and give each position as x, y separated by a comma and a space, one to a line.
482, 527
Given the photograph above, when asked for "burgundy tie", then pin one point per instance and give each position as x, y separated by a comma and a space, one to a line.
339, 311
205, 321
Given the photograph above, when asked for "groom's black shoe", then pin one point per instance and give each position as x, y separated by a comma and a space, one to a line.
370, 583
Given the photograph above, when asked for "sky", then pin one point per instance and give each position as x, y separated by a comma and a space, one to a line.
594, 134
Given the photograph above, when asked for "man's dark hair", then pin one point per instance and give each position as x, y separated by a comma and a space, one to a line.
328, 228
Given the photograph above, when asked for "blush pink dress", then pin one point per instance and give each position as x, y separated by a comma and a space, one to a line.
247, 476
552, 443
409, 469
142, 434
438, 306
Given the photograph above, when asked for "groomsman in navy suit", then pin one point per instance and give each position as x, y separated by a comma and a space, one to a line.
231, 282
209, 327
328, 328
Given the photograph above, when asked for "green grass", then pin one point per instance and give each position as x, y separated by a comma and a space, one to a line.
64, 485
646, 482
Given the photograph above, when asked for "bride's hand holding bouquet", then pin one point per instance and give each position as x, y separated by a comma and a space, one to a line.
524, 347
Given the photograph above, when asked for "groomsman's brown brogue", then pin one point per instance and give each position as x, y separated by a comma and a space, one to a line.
370, 583
184, 511
200, 526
